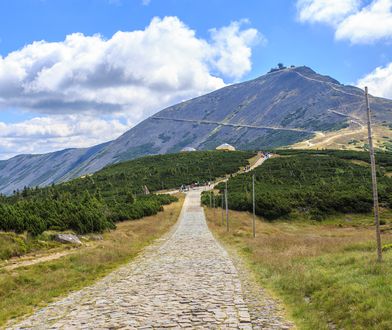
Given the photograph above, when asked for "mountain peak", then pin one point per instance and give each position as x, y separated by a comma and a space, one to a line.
280, 108
304, 71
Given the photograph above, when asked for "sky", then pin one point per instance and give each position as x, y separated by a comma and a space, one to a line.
77, 73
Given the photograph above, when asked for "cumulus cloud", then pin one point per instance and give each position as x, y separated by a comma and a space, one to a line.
233, 64
372, 23
44, 134
130, 75
352, 20
359, 23
379, 81
88, 73
325, 11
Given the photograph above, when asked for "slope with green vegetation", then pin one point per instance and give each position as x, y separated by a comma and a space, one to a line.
316, 183
383, 159
325, 272
95, 202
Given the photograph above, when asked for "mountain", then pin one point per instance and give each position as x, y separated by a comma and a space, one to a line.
277, 109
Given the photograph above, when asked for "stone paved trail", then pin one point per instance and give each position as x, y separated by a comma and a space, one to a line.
185, 280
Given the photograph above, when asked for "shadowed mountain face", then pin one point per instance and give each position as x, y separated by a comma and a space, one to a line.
276, 109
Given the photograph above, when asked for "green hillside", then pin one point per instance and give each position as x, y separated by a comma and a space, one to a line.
317, 183
94, 203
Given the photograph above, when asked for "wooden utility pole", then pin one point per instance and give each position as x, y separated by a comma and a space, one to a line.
254, 207
374, 178
227, 209
213, 202
223, 217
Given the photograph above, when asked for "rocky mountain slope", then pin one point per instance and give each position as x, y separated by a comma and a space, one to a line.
276, 109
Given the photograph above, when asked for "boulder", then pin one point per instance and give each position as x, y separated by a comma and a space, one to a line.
67, 238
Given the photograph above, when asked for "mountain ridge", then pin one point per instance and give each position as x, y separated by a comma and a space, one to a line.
276, 109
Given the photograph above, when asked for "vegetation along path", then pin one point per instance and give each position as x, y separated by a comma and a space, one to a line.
186, 280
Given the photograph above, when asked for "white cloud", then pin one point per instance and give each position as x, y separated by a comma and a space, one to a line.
130, 75
372, 23
379, 81
360, 23
146, 2
231, 37
44, 134
325, 11
353, 20
131, 69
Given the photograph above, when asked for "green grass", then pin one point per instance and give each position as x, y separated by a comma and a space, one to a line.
14, 245
325, 273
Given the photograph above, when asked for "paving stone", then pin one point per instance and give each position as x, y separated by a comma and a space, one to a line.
184, 280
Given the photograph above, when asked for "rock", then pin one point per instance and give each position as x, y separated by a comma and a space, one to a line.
67, 238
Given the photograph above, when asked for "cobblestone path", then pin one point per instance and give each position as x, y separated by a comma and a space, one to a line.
185, 280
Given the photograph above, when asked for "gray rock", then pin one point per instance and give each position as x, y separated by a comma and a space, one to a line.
67, 238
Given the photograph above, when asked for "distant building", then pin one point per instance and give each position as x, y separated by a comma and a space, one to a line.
188, 149
86, 175
225, 147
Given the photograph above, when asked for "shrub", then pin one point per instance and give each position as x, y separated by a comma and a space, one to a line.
387, 247
319, 183
94, 203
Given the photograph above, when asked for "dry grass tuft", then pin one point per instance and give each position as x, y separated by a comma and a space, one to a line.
325, 272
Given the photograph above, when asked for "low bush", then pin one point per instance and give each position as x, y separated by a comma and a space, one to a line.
95, 202
318, 184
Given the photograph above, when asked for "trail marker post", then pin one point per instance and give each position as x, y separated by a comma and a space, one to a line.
213, 202
222, 210
254, 207
374, 178
227, 209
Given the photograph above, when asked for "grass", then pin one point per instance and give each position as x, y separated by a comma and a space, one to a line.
25, 289
13, 245
325, 273
351, 138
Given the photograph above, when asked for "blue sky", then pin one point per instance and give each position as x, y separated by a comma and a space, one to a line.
52, 96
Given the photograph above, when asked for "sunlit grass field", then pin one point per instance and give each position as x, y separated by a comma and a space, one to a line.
324, 272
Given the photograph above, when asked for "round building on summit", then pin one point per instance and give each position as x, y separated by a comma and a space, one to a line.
225, 147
